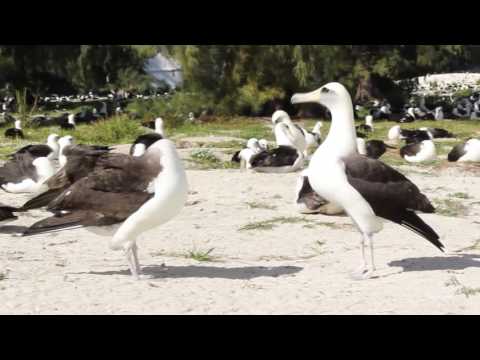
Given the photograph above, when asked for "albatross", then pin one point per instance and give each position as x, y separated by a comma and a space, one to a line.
26, 174
115, 200
466, 152
143, 142
287, 133
50, 150
15, 132
367, 189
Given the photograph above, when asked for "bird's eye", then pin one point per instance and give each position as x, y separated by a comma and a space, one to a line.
325, 90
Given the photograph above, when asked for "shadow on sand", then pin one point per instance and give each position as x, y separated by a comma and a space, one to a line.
211, 272
460, 262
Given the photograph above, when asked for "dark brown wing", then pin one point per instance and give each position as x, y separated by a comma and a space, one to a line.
390, 194
34, 150
82, 205
310, 198
456, 153
410, 150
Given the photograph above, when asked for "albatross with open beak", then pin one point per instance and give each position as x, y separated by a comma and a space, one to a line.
366, 189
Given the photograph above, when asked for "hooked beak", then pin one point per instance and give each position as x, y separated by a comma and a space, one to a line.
312, 97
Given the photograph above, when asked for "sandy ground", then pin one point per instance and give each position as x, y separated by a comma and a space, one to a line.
292, 268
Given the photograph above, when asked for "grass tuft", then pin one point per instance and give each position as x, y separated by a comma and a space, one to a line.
202, 256
450, 208
259, 205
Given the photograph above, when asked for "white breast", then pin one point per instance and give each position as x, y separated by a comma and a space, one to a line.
472, 147
336, 189
427, 153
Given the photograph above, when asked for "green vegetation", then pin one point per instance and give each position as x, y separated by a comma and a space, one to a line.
198, 255
307, 223
451, 208
270, 224
460, 195
204, 159
468, 291
116, 130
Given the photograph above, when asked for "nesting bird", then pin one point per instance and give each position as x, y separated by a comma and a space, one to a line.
26, 174
287, 133
50, 150
70, 125
419, 152
15, 132
244, 156
466, 152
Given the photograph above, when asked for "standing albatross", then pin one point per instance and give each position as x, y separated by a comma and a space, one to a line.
366, 188
120, 195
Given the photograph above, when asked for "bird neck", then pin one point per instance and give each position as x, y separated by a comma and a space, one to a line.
159, 129
172, 174
341, 140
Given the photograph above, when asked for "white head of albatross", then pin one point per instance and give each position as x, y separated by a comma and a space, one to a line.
317, 129
52, 142
361, 146
365, 188
63, 143
395, 133
18, 124
254, 145
71, 119
159, 126
369, 121
287, 133
263, 144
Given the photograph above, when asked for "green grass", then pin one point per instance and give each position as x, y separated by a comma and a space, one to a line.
233, 145
270, 224
467, 291
460, 195
450, 208
202, 256
462, 289
307, 224
122, 130
205, 159
116, 130
240, 127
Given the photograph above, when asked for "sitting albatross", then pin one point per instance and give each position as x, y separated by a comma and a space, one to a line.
26, 174
15, 132
117, 195
292, 135
49, 150
366, 188
466, 152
